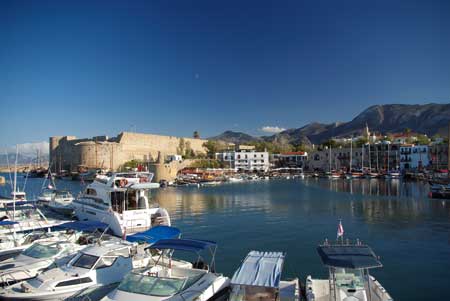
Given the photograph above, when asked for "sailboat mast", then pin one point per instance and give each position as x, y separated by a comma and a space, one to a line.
388, 158
370, 160
330, 157
15, 184
351, 151
362, 157
378, 167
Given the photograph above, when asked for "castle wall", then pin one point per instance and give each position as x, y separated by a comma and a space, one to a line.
69, 153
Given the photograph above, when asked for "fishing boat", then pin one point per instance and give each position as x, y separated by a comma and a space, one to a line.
259, 278
349, 278
121, 201
170, 279
96, 265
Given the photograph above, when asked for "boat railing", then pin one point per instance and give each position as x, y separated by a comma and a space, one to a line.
378, 290
8, 276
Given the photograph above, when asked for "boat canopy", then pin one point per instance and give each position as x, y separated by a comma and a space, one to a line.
348, 256
260, 269
84, 225
192, 245
7, 223
155, 234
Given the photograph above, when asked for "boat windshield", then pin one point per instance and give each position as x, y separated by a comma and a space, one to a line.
63, 194
48, 192
349, 278
85, 261
151, 286
40, 251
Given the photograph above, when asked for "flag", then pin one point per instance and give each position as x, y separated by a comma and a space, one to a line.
340, 230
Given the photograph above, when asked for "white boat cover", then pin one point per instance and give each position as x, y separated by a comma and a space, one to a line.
144, 186
260, 269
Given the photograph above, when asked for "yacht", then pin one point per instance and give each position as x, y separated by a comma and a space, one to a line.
46, 195
174, 279
121, 201
349, 278
259, 278
94, 266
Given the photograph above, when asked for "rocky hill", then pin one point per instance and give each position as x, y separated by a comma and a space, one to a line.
429, 119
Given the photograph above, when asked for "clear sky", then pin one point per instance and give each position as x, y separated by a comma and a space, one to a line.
89, 68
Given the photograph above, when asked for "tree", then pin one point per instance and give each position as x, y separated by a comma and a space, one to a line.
422, 140
181, 147
407, 131
196, 135
213, 147
207, 163
361, 141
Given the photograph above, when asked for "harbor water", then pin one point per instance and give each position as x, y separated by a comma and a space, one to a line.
410, 232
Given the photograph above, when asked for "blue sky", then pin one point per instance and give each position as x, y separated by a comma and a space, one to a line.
89, 68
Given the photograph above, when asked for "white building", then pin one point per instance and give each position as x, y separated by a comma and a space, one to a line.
293, 159
413, 156
245, 160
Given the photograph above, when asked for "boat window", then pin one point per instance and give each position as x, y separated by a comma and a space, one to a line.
91, 191
131, 201
105, 262
40, 251
85, 261
74, 282
151, 286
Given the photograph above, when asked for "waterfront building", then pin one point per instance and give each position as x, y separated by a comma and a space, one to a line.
413, 156
245, 159
438, 156
69, 152
292, 159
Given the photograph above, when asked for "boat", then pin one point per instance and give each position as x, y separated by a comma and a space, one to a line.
120, 200
349, 278
259, 278
46, 195
439, 191
61, 202
54, 248
174, 280
94, 266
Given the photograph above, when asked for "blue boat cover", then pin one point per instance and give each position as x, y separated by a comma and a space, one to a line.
7, 223
192, 245
155, 234
348, 256
84, 225
260, 269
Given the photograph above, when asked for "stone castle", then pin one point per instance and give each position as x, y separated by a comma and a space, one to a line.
69, 152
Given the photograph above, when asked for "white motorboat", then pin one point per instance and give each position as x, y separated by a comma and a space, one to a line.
34, 259
121, 201
175, 279
349, 278
14, 243
24, 216
97, 265
61, 202
46, 195
259, 278
39, 249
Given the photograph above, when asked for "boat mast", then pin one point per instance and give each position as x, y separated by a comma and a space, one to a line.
351, 150
370, 160
15, 184
330, 158
378, 167
362, 157
388, 158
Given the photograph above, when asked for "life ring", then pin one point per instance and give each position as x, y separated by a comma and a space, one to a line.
123, 182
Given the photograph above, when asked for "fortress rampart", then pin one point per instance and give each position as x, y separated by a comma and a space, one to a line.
69, 152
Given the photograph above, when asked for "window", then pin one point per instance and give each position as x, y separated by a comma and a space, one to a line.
254, 155
40, 251
85, 261
105, 262
74, 281
262, 155
91, 191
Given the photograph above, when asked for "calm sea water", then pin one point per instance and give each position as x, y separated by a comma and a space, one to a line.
410, 232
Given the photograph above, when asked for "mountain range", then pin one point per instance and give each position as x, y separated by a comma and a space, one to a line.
429, 119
